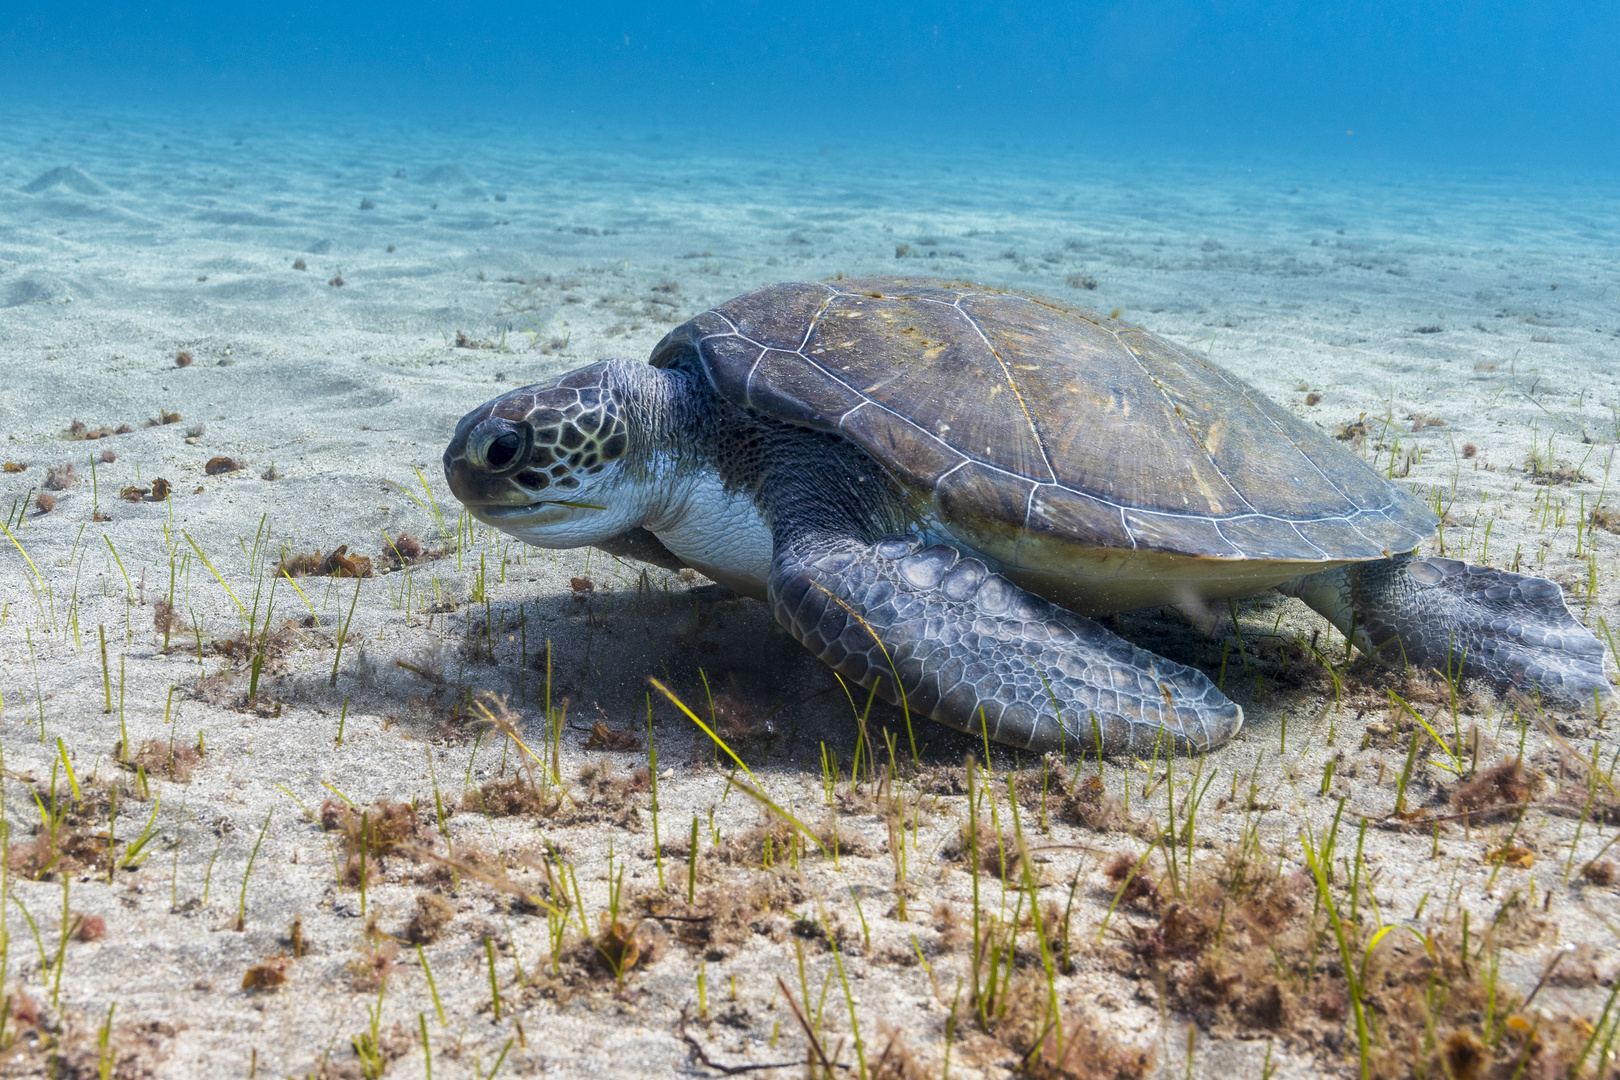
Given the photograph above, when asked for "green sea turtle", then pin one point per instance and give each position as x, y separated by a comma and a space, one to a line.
938, 482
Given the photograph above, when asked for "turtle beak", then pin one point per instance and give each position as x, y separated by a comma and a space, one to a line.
480, 460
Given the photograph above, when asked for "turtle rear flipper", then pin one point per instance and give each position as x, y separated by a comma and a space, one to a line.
967, 643
1446, 615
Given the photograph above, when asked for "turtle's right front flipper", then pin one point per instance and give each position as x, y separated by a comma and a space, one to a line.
964, 640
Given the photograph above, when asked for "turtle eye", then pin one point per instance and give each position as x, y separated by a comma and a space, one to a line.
503, 450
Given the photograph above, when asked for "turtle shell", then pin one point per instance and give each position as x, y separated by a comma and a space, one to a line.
1033, 427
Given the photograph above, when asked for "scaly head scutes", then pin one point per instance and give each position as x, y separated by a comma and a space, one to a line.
545, 462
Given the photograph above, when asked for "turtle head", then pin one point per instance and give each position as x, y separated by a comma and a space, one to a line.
545, 463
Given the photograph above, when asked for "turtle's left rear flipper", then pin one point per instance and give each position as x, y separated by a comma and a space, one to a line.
1428, 613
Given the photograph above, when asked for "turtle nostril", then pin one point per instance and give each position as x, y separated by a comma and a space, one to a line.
503, 450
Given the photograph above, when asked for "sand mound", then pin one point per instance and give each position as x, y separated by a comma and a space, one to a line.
446, 176
69, 176
453, 179
34, 288
237, 217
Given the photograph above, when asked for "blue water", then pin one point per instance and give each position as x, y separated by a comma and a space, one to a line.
1476, 84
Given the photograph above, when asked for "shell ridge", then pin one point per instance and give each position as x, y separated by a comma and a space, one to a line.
748, 381
1362, 534
859, 405
866, 400
1369, 539
1295, 526
813, 362
1011, 382
1237, 517
921, 299
815, 320
734, 332
878, 405
1216, 523
1243, 389
1213, 522
1165, 397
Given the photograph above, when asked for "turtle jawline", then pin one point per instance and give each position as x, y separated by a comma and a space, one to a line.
504, 513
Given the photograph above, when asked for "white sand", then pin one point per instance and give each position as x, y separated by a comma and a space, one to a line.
126, 240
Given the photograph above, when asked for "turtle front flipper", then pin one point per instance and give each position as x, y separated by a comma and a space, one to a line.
965, 642
1440, 614
642, 545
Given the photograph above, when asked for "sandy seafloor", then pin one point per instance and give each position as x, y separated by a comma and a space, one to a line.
1490, 302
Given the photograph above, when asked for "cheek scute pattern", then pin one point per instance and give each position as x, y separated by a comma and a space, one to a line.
573, 439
